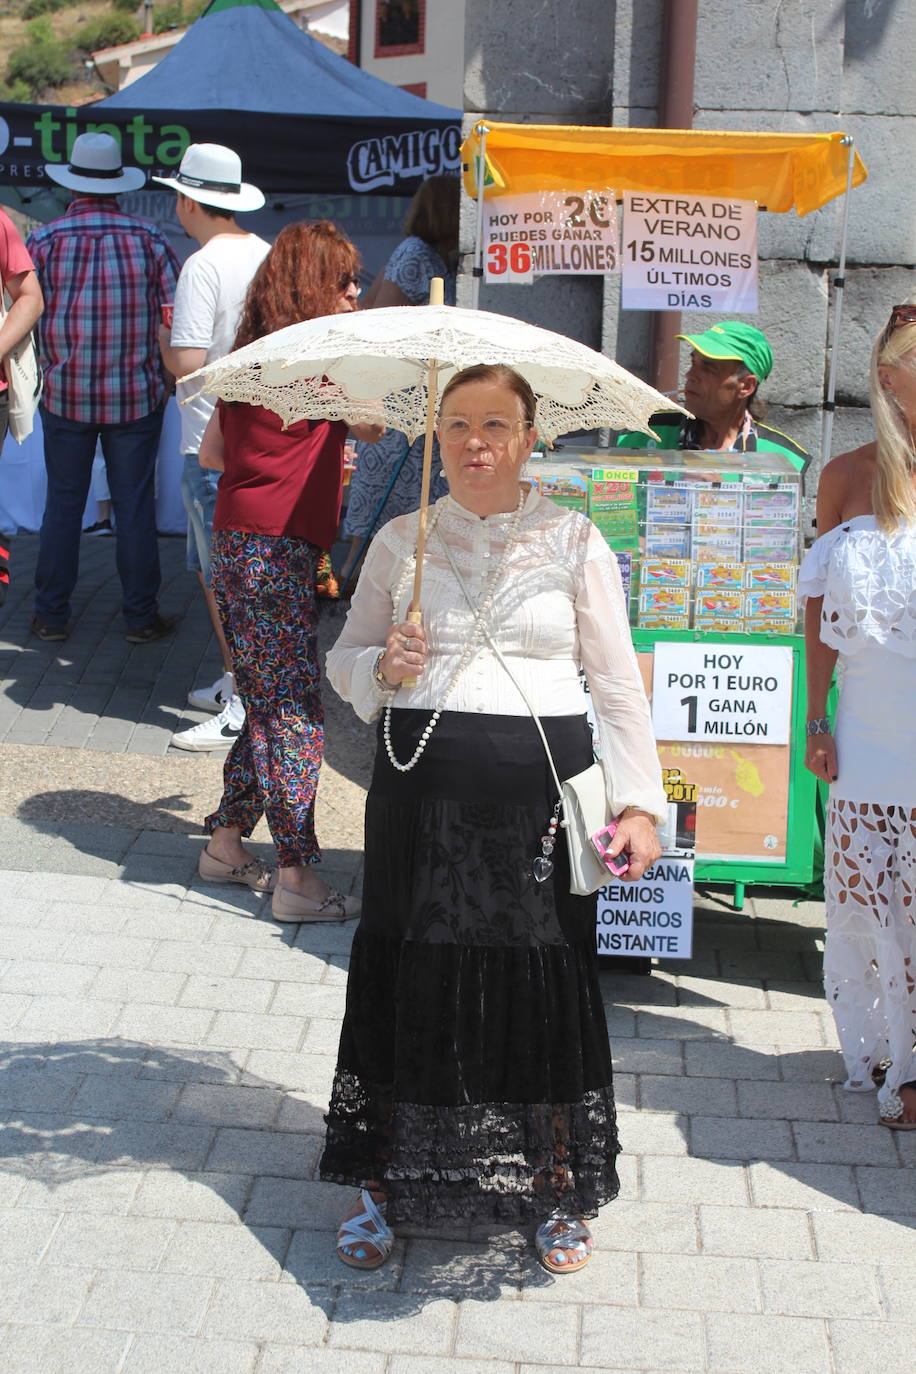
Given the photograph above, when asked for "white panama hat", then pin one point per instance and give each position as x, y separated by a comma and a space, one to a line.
95, 167
212, 175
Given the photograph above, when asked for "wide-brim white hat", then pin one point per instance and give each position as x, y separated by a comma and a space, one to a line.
95, 167
212, 175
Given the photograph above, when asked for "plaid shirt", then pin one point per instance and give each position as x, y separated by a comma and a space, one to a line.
104, 276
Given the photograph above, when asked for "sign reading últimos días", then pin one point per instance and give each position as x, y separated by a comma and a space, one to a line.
689, 253
550, 232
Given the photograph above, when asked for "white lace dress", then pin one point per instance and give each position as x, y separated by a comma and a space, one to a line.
867, 579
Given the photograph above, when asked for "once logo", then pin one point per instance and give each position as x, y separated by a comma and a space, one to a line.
4, 135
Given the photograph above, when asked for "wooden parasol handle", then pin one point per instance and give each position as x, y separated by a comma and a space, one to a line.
436, 297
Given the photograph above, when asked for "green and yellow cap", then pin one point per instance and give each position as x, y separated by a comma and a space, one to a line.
732, 339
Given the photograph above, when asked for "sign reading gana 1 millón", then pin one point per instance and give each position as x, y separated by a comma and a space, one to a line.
550, 232
689, 253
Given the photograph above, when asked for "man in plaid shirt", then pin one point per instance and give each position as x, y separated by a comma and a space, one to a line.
105, 277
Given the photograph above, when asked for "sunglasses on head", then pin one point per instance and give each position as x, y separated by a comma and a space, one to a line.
901, 314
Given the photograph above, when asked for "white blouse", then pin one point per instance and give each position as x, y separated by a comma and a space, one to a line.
559, 604
868, 581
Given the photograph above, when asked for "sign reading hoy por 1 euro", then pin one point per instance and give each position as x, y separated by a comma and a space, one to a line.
689, 253
722, 692
547, 232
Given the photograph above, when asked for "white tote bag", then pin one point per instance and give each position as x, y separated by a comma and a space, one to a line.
22, 368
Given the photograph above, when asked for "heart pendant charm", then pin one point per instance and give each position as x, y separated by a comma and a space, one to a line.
542, 869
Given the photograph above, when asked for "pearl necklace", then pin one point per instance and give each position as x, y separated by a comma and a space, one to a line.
470, 649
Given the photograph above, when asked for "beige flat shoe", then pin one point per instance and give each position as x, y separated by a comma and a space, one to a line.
255, 874
291, 906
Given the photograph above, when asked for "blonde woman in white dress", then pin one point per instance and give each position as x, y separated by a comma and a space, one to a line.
860, 582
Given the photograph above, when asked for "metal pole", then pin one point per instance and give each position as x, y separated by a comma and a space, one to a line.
675, 112
481, 131
839, 283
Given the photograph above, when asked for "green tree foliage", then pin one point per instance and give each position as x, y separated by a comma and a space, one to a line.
107, 31
41, 62
178, 14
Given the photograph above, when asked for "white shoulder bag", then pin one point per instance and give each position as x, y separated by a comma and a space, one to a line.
22, 369
583, 798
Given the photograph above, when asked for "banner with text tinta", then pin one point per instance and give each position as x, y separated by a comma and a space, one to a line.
544, 233
689, 253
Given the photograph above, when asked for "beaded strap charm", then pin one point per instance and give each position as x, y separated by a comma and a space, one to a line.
543, 864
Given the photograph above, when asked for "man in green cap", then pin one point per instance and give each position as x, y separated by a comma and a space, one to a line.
727, 364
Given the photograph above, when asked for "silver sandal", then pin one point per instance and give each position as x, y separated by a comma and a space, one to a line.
354, 1235
574, 1240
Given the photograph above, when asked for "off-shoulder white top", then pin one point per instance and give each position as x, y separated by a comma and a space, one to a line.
868, 581
559, 604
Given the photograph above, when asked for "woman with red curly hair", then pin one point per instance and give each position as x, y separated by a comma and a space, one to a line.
277, 508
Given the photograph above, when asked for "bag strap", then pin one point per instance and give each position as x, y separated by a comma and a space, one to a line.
513, 679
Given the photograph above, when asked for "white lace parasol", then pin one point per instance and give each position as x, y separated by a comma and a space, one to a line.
371, 366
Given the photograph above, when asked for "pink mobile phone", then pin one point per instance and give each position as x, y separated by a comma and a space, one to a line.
619, 864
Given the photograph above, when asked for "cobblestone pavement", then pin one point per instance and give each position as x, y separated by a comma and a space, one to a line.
166, 1052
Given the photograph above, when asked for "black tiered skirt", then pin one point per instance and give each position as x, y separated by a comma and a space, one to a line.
474, 1071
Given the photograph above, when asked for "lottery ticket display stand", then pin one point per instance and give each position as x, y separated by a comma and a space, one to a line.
708, 546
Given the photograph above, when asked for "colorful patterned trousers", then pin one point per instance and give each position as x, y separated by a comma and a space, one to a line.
265, 589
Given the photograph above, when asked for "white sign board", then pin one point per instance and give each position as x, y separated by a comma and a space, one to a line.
689, 253
722, 693
547, 232
651, 918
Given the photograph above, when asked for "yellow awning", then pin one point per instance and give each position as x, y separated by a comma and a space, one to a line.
779, 171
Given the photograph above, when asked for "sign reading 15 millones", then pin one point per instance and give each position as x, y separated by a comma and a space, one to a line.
547, 232
689, 253
722, 693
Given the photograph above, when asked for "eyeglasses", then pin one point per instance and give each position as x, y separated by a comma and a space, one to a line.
900, 314
496, 431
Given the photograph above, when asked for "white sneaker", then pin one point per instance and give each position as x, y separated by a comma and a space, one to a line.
213, 698
218, 733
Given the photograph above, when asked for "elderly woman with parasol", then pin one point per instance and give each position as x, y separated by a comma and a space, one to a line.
474, 1074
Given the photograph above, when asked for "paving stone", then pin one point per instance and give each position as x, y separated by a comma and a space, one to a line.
507, 1331
773, 1233
841, 1236
226, 1250
810, 1186
393, 1322
137, 985
297, 1202
165, 1354
24, 1234
683, 1179
776, 1343
887, 1190
285, 1153
608, 1278
280, 1069
182, 956
180, 1025
308, 999
68, 917
664, 1133
180, 1147
227, 994
698, 1283
36, 1089
61, 1018
712, 1059
110, 951
247, 1030
101, 1095
648, 1056
706, 1096
286, 965
806, 1289
776, 1028
837, 1143
108, 1192
58, 1350
862, 1347
246, 1310
787, 1101
164, 919
41, 1294
323, 1037
284, 1359
133, 1301
46, 977
812, 1066
739, 1138
186, 1064
640, 1339
231, 1105
109, 1242
638, 1226
896, 1286
190, 1196
297, 1109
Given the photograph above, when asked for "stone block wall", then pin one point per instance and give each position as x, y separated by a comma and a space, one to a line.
808, 65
